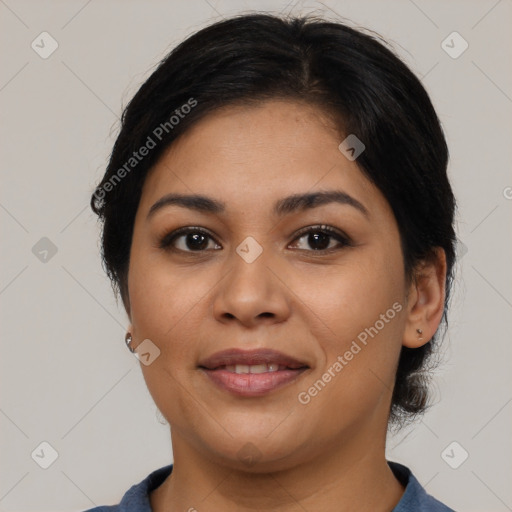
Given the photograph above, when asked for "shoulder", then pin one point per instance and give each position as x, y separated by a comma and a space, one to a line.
136, 499
415, 497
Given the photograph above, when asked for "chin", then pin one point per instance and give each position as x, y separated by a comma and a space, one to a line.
258, 452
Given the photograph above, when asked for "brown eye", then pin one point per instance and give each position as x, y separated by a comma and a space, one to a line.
320, 238
188, 240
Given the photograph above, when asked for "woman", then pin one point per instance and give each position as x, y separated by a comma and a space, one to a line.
279, 224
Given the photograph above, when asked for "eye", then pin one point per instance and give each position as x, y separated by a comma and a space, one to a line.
188, 239
320, 238
194, 239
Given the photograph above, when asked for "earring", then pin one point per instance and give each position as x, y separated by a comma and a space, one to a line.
420, 332
128, 340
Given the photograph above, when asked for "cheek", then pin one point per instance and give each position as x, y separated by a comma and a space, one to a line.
168, 304
165, 308
158, 296
367, 314
357, 316
348, 297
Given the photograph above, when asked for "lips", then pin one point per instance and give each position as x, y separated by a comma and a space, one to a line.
235, 357
253, 372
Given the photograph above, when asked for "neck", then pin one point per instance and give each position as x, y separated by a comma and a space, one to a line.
344, 478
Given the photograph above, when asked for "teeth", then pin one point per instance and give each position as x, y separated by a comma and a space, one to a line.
258, 368
253, 368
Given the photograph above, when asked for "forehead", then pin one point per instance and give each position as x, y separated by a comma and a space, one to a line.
247, 155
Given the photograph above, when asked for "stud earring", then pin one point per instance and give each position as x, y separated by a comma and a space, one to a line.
128, 340
420, 332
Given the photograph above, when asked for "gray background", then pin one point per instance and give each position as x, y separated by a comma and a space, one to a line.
66, 376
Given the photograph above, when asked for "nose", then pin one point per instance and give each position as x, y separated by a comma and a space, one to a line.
252, 293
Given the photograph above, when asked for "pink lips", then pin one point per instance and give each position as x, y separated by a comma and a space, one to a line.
262, 370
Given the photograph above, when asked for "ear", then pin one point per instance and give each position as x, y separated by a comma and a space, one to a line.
425, 300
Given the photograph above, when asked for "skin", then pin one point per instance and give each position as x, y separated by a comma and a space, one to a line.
328, 454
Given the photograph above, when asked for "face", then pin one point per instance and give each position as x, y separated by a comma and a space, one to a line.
320, 282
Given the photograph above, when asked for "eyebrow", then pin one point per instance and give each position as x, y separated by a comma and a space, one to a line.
284, 206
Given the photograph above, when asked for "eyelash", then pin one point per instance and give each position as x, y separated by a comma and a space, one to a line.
167, 240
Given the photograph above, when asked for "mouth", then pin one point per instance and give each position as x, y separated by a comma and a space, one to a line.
251, 373
255, 368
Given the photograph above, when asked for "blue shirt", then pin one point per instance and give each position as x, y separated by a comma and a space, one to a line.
414, 499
